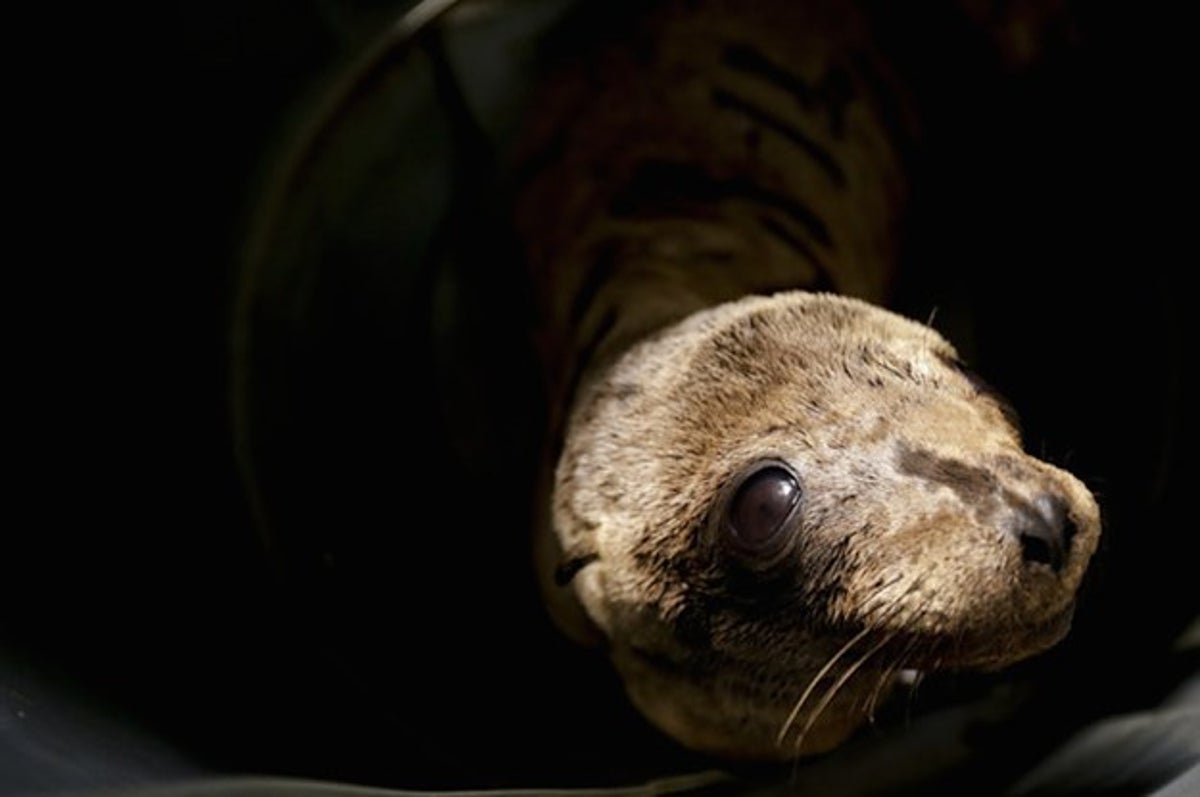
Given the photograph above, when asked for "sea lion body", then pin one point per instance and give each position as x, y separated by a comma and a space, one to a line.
764, 499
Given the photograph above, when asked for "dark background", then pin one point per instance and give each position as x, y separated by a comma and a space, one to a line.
1051, 230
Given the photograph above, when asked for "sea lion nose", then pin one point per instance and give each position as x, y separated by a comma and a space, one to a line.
1044, 531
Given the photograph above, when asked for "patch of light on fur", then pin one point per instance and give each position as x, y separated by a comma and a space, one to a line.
922, 367
908, 677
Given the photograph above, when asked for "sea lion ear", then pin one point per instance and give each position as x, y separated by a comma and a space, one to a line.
566, 570
571, 588
579, 607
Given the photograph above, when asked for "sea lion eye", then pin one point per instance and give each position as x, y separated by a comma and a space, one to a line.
757, 514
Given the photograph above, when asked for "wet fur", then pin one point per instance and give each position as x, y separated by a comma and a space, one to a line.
906, 468
671, 385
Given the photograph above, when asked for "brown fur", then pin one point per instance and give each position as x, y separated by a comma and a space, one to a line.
864, 405
673, 386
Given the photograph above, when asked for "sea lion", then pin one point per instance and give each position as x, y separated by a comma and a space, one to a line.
763, 498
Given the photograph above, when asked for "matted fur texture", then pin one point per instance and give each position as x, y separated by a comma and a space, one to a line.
910, 473
705, 151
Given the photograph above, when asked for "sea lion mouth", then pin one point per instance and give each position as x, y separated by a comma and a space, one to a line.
981, 651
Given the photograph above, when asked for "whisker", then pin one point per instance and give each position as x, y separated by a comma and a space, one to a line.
895, 601
892, 610
890, 671
787, 724
901, 661
885, 678
833, 690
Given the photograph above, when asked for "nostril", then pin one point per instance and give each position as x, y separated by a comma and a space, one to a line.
1045, 534
1036, 549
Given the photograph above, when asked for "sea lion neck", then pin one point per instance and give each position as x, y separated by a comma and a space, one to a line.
703, 156
757, 481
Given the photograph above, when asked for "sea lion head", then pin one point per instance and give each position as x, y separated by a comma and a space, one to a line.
768, 509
